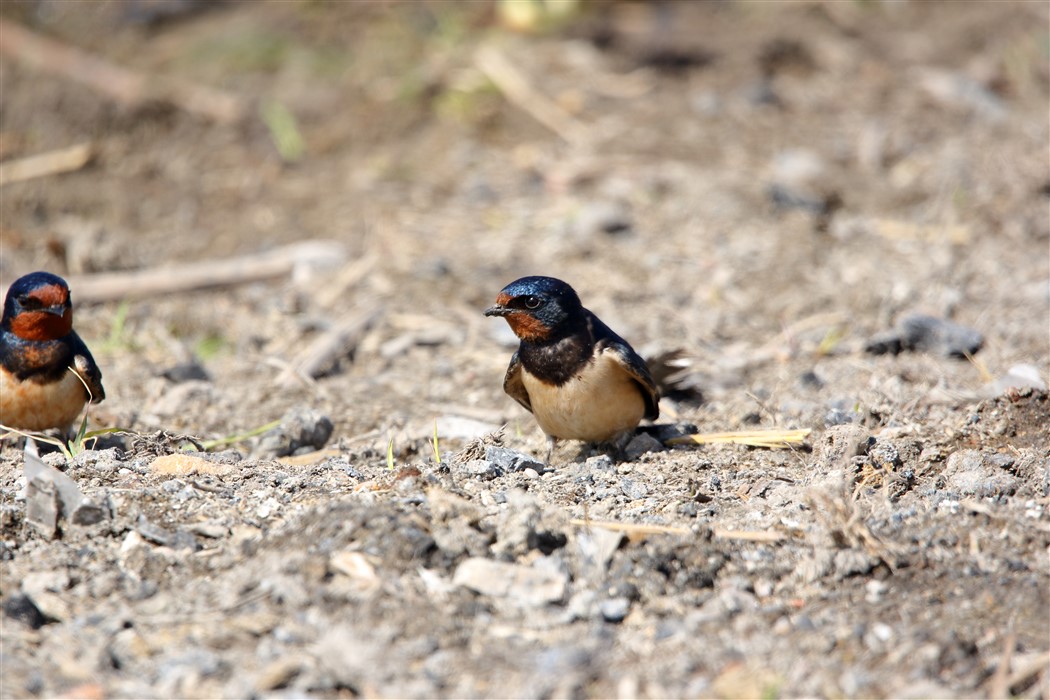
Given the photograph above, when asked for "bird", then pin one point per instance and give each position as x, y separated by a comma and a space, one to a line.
47, 373
579, 378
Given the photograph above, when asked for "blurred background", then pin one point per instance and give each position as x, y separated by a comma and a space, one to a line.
744, 181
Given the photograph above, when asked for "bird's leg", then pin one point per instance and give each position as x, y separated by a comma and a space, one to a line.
551, 441
618, 445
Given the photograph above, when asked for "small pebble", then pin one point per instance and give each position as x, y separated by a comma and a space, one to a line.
614, 609
922, 333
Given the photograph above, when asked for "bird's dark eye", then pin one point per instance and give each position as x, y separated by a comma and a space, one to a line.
28, 302
533, 302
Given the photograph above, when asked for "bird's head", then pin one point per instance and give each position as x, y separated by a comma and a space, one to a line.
38, 307
537, 307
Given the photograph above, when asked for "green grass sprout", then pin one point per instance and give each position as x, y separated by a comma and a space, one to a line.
437, 451
209, 445
284, 130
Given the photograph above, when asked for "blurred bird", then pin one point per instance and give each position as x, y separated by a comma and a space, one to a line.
580, 379
47, 374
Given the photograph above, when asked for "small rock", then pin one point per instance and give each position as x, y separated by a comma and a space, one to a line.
600, 463
356, 567
20, 607
969, 472
605, 217
213, 531
42, 506
1017, 377
162, 536
595, 548
49, 493
875, 590
186, 372
45, 589
852, 562
109, 458
301, 427
581, 606
842, 443
922, 333
526, 586
512, 461
634, 490
640, 444
481, 469
614, 609
954, 89
840, 416
278, 674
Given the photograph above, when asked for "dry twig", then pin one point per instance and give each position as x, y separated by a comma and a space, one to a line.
516, 87
117, 83
207, 273
329, 346
63, 160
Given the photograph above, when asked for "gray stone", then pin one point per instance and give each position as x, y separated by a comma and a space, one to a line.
301, 427
633, 489
51, 494
482, 469
972, 473
922, 333
511, 460
640, 444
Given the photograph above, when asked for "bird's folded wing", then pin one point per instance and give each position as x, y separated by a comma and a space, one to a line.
513, 385
635, 366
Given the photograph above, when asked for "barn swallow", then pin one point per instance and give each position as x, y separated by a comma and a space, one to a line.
580, 379
47, 374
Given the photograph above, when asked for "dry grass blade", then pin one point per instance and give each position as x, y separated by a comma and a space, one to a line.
772, 439
750, 535
999, 683
518, 89
63, 160
633, 531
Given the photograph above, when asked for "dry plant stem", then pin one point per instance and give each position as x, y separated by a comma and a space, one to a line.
516, 87
63, 160
633, 528
204, 274
119, 84
999, 683
334, 343
754, 438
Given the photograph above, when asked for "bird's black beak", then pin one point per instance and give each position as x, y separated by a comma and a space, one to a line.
55, 310
497, 310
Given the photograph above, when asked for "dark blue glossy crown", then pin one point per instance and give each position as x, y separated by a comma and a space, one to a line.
548, 287
26, 284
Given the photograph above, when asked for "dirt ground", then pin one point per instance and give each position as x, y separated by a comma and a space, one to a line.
760, 188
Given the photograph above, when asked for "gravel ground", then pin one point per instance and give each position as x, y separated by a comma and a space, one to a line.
829, 216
